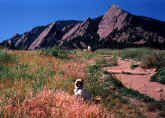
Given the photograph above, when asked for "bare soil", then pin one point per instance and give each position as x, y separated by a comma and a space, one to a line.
137, 78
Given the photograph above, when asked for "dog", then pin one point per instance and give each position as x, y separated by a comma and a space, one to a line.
79, 90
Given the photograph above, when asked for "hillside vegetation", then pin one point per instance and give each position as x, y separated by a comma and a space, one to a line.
39, 84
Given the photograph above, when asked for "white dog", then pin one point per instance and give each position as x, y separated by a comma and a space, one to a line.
80, 90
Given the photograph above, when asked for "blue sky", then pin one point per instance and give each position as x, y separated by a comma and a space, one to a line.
18, 16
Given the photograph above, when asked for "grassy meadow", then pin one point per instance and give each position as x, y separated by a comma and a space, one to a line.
40, 83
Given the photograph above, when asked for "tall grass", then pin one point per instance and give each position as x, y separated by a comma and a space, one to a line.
55, 51
59, 104
42, 86
5, 72
5, 57
109, 90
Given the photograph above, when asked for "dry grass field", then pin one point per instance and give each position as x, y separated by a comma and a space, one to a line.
39, 84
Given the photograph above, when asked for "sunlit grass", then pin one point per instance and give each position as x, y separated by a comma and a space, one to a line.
30, 89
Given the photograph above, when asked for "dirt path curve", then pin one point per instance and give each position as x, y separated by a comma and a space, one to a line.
137, 79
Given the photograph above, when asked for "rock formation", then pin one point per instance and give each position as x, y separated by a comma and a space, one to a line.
116, 29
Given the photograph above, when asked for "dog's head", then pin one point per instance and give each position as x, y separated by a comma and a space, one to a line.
79, 83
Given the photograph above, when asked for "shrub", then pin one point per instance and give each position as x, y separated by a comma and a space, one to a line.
132, 66
100, 61
87, 54
161, 114
155, 59
159, 76
114, 61
135, 53
55, 51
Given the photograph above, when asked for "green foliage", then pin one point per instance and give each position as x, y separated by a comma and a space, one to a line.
100, 61
86, 54
5, 72
159, 76
135, 53
135, 94
55, 51
38, 78
41, 77
100, 87
23, 71
5, 57
65, 84
93, 84
108, 52
155, 59
108, 88
132, 66
114, 61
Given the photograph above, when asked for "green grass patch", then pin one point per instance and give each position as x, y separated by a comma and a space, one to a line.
135, 53
5, 72
55, 51
112, 92
135, 94
108, 52
5, 57
159, 76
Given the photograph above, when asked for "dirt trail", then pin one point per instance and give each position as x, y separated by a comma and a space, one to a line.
138, 79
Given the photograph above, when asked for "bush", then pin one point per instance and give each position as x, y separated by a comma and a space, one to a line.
114, 61
55, 51
100, 61
159, 76
155, 59
135, 53
133, 66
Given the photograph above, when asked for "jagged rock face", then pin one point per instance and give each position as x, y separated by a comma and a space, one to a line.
114, 18
82, 35
120, 29
23, 41
116, 29
52, 34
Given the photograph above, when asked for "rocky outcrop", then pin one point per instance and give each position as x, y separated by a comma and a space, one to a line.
120, 29
52, 34
82, 35
114, 18
23, 41
116, 29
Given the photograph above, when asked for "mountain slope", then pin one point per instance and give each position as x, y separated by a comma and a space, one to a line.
52, 34
116, 29
24, 40
120, 29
